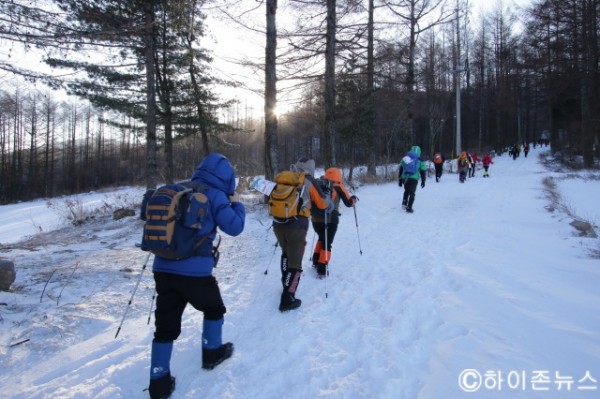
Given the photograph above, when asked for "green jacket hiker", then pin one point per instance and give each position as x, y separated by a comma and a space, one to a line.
411, 168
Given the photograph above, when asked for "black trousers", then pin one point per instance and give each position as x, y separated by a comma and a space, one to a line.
319, 228
410, 191
174, 293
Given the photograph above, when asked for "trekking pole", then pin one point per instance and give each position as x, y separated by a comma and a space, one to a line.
326, 255
358, 235
312, 245
272, 256
151, 306
133, 294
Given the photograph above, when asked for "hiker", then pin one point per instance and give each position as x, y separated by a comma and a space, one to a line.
325, 230
291, 232
190, 280
473, 159
411, 168
438, 163
463, 166
487, 160
525, 149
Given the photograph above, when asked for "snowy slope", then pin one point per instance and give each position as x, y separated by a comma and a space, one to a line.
481, 281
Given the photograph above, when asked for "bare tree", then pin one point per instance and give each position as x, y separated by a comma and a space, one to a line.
418, 16
271, 159
330, 37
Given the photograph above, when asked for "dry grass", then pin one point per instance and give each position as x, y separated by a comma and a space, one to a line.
583, 227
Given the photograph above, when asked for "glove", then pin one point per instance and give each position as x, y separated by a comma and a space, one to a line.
354, 199
234, 198
423, 184
326, 185
400, 183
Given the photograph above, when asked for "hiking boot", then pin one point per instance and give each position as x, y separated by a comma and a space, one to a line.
409, 210
322, 270
288, 302
211, 358
161, 388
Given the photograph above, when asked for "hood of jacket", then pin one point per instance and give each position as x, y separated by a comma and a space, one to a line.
334, 174
416, 149
215, 171
304, 165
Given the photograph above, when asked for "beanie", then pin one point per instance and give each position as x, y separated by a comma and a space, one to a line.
305, 165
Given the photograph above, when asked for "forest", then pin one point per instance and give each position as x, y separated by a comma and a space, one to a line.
370, 78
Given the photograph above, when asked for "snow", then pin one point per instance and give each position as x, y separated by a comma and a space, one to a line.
484, 279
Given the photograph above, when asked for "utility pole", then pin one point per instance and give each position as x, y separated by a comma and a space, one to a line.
457, 72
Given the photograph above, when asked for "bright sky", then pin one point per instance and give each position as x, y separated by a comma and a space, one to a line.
232, 44
235, 43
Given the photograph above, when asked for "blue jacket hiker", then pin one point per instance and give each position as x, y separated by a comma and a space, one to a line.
179, 282
411, 168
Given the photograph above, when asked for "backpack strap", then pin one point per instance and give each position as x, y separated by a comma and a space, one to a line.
200, 188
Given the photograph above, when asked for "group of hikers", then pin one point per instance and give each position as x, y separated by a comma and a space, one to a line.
318, 203
467, 164
412, 169
515, 150
190, 280
297, 200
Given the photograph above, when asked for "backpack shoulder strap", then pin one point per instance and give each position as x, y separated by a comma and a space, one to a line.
195, 186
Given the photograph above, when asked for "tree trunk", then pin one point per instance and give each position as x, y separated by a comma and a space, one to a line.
589, 83
329, 134
370, 125
410, 76
271, 161
151, 159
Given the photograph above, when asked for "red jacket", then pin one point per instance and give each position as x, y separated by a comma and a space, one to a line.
487, 160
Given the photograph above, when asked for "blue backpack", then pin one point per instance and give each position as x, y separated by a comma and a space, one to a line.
411, 164
173, 214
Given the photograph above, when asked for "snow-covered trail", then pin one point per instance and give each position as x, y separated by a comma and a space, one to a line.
464, 282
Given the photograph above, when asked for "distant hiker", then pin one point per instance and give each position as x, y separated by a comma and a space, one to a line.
411, 168
463, 166
331, 182
473, 159
190, 280
291, 228
487, 160
438, 162
526, 149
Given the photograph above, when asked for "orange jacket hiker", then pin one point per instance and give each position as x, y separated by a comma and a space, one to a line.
326, 229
